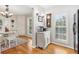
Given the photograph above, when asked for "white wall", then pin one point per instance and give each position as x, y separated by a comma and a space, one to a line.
20, 22
70, 10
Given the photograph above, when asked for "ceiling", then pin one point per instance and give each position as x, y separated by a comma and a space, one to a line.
18, 9
27, 9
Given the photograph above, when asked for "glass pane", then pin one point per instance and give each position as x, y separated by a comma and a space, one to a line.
30, 26
61, 28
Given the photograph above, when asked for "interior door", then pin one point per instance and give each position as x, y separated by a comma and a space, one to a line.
76, 31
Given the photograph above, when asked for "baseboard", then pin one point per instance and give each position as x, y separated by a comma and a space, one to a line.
33, 46
63, 45
25, 36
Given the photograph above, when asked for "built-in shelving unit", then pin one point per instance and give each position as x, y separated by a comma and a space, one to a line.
7, 33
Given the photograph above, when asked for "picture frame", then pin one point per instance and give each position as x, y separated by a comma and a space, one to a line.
48, 20
40, 19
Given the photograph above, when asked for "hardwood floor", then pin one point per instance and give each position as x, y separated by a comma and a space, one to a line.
26, 48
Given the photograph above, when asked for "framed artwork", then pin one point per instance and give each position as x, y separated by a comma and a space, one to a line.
40, 18
48, 20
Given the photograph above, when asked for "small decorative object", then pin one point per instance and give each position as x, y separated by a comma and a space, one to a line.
48, 20
12, 21
40, 18
6, 29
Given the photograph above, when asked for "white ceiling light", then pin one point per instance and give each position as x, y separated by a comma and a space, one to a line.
6, 13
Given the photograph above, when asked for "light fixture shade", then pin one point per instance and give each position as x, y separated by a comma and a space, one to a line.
6, 13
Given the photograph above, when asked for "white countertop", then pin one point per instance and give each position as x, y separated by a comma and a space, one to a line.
43, 31
7, 32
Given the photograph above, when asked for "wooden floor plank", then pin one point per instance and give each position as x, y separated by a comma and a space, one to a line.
26, 48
